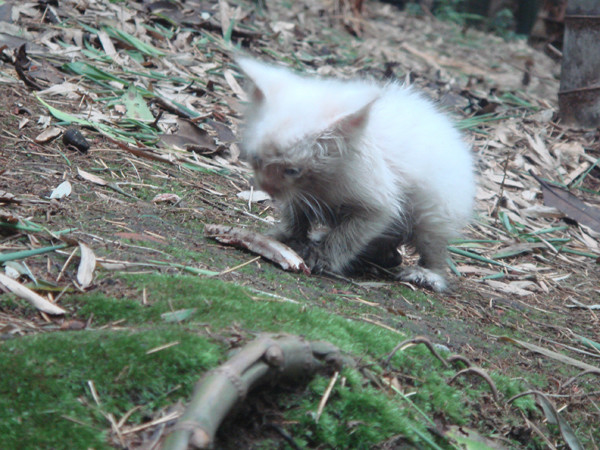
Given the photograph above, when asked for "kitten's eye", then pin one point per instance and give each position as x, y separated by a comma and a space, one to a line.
291, 171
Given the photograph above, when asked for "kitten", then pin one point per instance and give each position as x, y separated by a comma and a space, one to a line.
376, 163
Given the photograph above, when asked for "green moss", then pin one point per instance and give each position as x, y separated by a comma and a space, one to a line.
44, 382
45, 400
356, 416
104, 310
510, 387
223, 304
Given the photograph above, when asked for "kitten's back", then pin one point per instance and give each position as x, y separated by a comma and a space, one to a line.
422, 146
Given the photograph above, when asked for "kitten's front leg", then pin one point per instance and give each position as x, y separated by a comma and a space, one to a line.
345, 241
292, 228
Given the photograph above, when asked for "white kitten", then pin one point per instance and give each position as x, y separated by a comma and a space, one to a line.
376, 163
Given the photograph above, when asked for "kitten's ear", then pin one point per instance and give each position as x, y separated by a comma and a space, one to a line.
268, 81
253, 70
351, 123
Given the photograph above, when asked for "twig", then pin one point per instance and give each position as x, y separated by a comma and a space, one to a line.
325, 397
285, 435
240, 265
483, 374
494, 212
580, 374
409, 343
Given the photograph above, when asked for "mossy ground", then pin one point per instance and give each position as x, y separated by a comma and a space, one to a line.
45, 391
47, 373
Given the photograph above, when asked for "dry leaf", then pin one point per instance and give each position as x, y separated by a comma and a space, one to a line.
253, 196
62, 190
108, 46
507, 288
7, 197
570, 205
87, 264
166, 198
537, 144
189, 136
90, 177
549, 353
25, 293
47, 135
234, 85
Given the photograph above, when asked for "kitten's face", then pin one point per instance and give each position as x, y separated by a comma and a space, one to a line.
297, 128
278, 170
277, 179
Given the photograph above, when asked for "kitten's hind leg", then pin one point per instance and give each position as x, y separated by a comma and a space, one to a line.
382, 252
430, 273
338, 250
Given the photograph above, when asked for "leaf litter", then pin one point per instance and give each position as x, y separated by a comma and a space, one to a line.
154, 90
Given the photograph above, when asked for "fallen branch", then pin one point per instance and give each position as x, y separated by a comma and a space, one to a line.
260, 244
267, 358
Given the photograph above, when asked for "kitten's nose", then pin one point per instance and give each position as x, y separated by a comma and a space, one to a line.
269, 188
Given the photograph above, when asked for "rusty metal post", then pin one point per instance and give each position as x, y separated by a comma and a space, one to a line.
579, 95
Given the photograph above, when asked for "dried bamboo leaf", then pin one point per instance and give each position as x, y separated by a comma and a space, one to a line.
188, 136
91, 177
254, 196
27, 294
87, 264
549, 353
47, 135
61, 191
507, 288
570, 205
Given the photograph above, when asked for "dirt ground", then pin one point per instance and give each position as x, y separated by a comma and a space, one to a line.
537, 278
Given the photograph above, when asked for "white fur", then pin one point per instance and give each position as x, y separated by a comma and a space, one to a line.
391, 154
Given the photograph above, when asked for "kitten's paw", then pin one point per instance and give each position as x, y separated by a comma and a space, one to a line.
315, 259
279, 235
295, 243
424, 277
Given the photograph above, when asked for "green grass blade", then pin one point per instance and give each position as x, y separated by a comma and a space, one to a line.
141, 46
91, 72
477, 257
189, 269
27, 253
